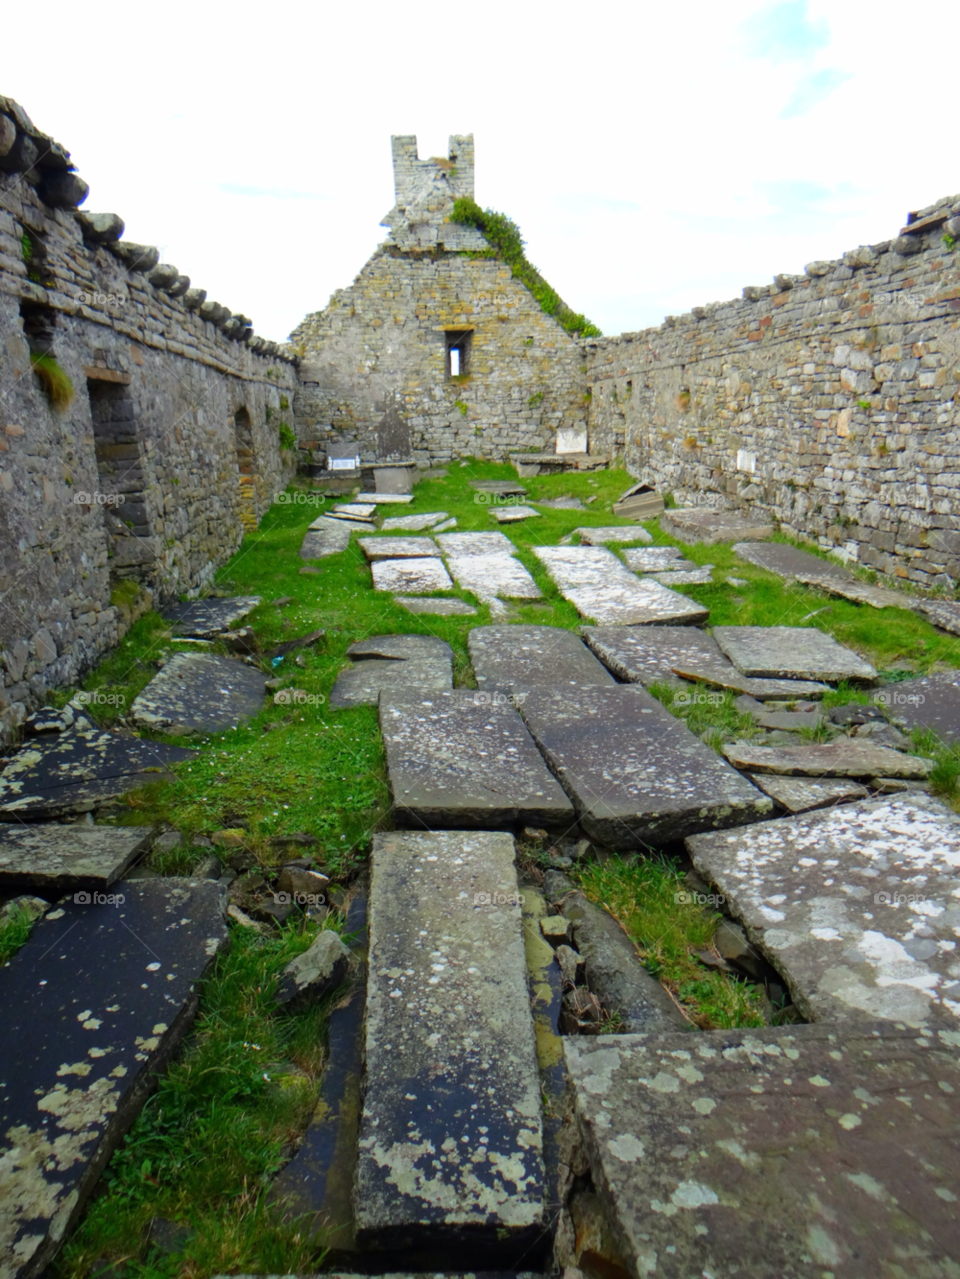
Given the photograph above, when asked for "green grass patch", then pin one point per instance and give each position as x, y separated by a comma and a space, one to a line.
55, 381
14, 931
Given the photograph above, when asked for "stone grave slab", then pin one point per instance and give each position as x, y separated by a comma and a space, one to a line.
462, 759
681, 577
351, 521
444, 525
791, 652
52, 859
702, 525
613, 533
205, 619
774, 1153
362, 683
857, 592
400, 648
356, 510
394, 479
396, 548
492, 577
726, 675
942, 613
501, 488
789, 721
846, 757
441, 608
461, 545
560, 503
451, 1133
516, 659
386, 499
324, 537
513, 514
412, 523
415, 577
95, 1003
856, 906
803, 795
637, 775
202, 692
931, 701
599, 586
79, 769
789, 561
393, 437
655, 559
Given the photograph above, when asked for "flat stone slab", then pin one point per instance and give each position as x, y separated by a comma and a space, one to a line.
502, 488
364, 682
460, 545
655, 559
94, 1004
942, 613
513, 514
324, 537
789, 561
858, 907
201, 691
412, 523
791, 652
800, 795
356, 510
352, 522
724, 674
451, 1135
637, 775
931, 701
613, 533
774, 1153
52, 859
492, 577
463, 759
789, 721
599, 586
856, 592
442, 608
679, 577
401, 647
385, 499
846, 757
415, 577
398, 548
205, 619
560, 503
702, 525
516, 659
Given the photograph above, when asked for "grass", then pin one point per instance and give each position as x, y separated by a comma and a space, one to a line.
56, 383
14, 931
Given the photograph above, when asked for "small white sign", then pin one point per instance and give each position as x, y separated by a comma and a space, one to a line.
572, 439
342, 463
746, 461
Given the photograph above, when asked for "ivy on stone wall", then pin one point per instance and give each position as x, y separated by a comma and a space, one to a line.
504, 235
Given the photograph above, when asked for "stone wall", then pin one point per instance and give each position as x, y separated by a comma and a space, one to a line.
828, 400
166, 443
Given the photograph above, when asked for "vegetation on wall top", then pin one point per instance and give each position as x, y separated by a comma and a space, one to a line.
504, 235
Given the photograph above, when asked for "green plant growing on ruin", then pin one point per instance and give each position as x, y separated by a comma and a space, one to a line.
14, 931
528, 341
535, 399
55, 382
683, 401
459, 404
865, 404
284, 403
949, 241
26, 248
504, 235
588, 395
288, 440
882, 448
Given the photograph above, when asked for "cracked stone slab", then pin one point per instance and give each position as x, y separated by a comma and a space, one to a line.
493, 577
324, 537
95, 1003
461, 545
599, 586
516, 659
502, 488
362, 683
393, 548
724, 674
52, 859
942, 613
81, 768
791, 652
857, 906
857, 592
412, 523
701, 525
636, 774
461, 758
846, 757
513, 514
775, 1152
356, 510
201, 691
614, 533
679, 577
401, 647
451, 1134
205, 619
415, 576
655, 559
351, 522
442, 608
801, 795
789, 562
932, 701
385, 499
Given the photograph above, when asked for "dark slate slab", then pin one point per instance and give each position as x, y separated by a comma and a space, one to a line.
324, 537
857, 592
451, 1134
400, 647
52, 859
205, 619
942, 613
932, 701
791, 652
858, 907
846, 757
80, 768
519, 658
201, 692
362, 683
499, 488
790, 562
393, 437
701, 525
637, 775
94, 1004
802, 794
793, 1153
463, 758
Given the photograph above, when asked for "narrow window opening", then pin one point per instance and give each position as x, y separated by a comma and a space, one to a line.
243, 434
458, 344
121, 478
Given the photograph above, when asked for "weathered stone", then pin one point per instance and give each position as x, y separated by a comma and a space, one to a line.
442, 608
789, 562
556, 929
387, 548
318, 970
135, 257
512, 514
451, 1134
516, 659
362, 683
931, 702
703, 525
613, 533
201, 692
856, 906
655, 559
637, 775
325, 537
717, 1142
461, 545
386, 499
500, 488
412, 523
847, 757
942, 613
55, 859
401, 647
599, 586
207, 618
63, 190
560, 503
163, 276
791, 652
856, 592
355, 510
799, 795
95, 1002
679, 577
789, 721
413, 576
463, 759
100, 228
492, 577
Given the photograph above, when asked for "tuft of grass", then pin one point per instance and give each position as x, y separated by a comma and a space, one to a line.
709, 713
288, 440
14, 931
55, 382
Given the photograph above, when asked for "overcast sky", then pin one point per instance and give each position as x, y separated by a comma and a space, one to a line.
656, 156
